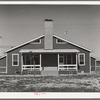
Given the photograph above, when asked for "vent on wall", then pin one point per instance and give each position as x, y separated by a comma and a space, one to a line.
38, 41
59, 41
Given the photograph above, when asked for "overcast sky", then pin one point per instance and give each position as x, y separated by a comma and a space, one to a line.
19, 24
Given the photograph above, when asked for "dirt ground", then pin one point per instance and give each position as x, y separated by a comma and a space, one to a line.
62, 83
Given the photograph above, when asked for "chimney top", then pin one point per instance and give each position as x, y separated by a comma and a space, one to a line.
48, 20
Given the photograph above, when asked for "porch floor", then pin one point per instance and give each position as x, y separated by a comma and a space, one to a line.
49, 71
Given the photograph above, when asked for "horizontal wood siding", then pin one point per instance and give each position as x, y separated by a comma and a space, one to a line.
3, 62
3, 65
92, 64
2, 69
66, 45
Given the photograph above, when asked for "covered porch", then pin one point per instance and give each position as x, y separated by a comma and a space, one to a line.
67, 63
37, 61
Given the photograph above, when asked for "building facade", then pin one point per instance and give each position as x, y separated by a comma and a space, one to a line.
47, 53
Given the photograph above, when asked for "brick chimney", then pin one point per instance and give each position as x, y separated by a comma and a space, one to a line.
48, 43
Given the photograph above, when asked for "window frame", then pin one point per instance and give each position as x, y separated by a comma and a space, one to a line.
36, 42
16, 60
83, 59
60, 42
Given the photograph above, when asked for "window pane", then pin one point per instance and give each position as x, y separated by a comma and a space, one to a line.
61, 59
27, 59
15, 63
37, 59
74, 58
60, 41
71, 58
68, 58
81, 59
15, 57
81, 62
31, 59
36, 41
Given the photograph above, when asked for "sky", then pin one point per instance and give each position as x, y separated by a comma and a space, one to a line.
21, 23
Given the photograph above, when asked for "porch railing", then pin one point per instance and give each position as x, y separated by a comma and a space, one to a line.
68, 67
31, 67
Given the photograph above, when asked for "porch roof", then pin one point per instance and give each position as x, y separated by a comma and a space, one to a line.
49, 51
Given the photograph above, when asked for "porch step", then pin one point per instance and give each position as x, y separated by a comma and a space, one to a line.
49, 73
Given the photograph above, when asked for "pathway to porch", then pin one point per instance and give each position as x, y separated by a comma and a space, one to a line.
48, 71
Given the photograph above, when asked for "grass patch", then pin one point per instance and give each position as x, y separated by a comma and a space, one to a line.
68, 83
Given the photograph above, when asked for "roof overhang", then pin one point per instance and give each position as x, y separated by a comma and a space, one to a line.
49, 51
2, 57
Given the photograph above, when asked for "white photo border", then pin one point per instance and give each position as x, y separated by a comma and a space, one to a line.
41, 95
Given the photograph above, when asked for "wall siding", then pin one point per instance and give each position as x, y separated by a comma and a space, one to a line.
85, 68
3, 65
3, 62
92, 64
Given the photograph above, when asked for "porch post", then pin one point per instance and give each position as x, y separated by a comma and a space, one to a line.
40, 63
76, 63
21, 63
58, 61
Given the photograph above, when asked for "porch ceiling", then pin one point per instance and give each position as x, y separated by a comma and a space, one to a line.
49, 51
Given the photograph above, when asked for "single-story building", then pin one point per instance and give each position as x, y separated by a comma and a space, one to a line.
47, 53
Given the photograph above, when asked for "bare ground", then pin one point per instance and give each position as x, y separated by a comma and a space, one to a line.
68, 83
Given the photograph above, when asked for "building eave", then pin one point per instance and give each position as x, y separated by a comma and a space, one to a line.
49, 51
2, 57
93, 57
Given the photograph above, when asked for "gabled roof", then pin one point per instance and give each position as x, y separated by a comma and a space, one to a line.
43, 36
24, 43
72, 43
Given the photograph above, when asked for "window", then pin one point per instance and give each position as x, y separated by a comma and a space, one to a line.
67, 58
59, 41
15, 59
81, 59
70, 58
31, 59
61, 59
38, 41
